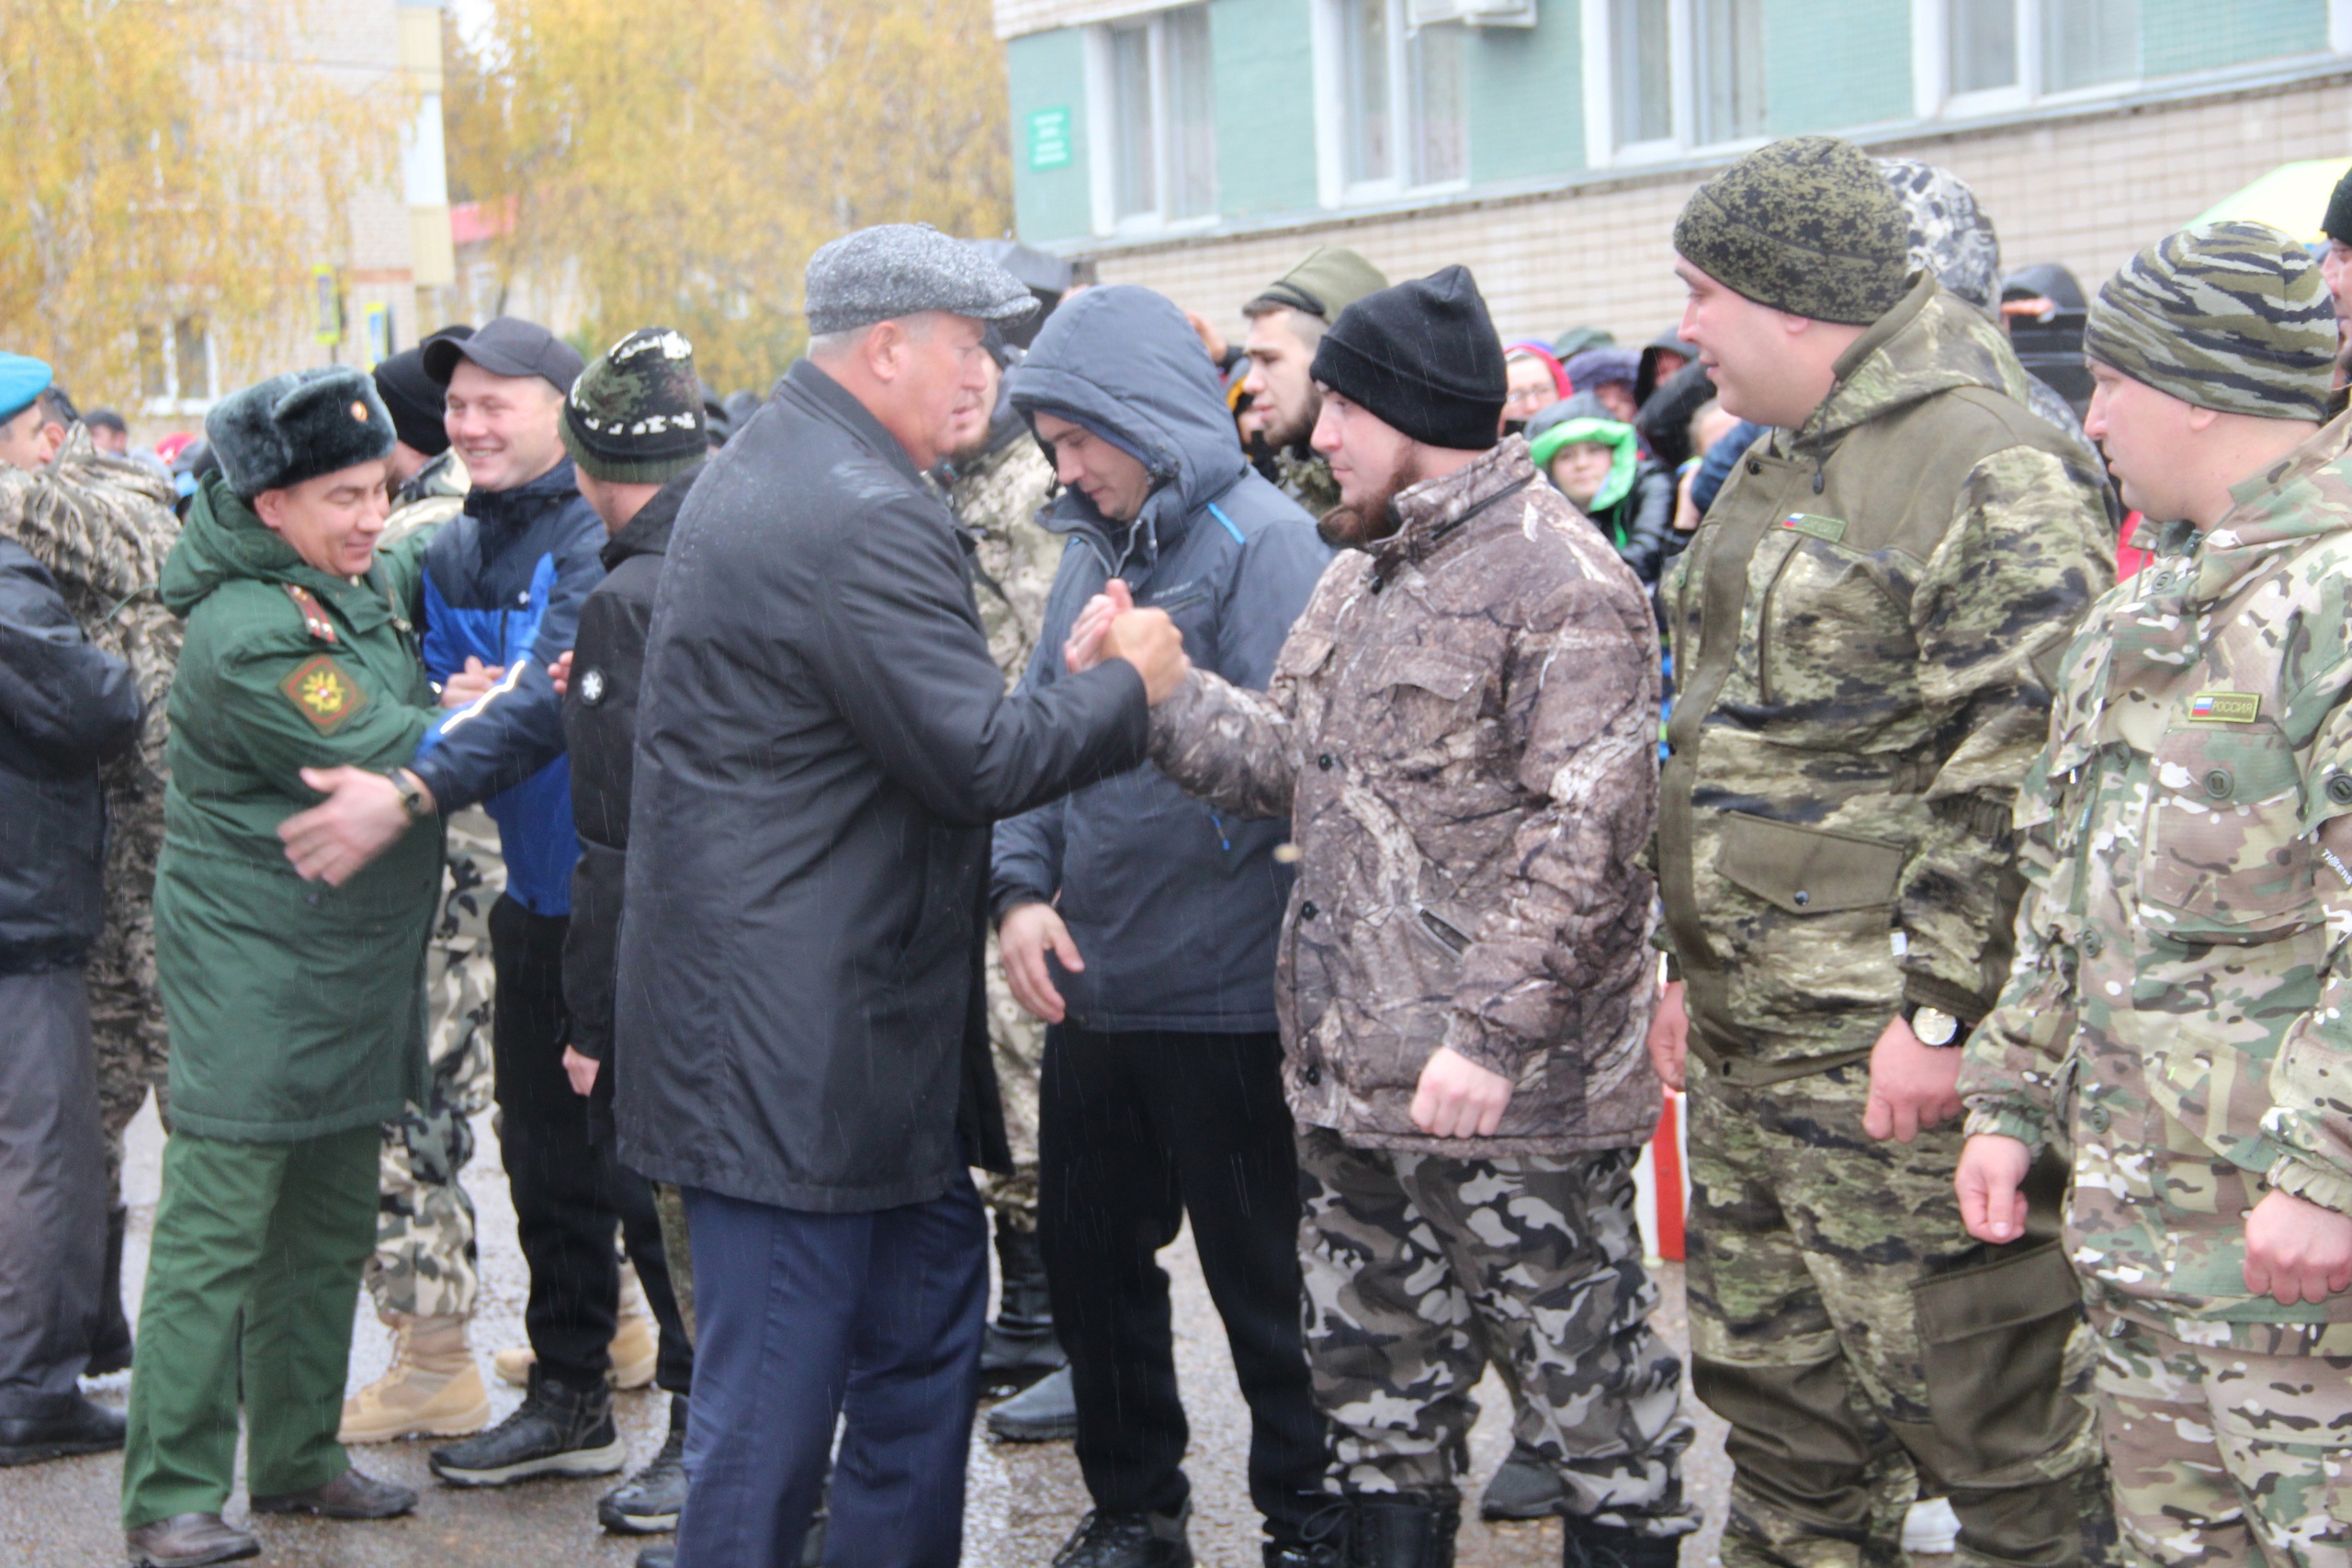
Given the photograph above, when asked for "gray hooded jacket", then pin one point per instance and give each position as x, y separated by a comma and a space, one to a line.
1174, 906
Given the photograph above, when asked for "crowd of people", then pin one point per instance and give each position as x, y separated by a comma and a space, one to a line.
1047, 775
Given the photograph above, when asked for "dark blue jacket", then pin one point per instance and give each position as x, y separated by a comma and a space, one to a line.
1174, 907
65, 706
504, 582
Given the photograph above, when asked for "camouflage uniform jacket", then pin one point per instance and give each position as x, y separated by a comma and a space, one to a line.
2177, 1011
1858, 628
1013, 557
1461, 727
436, 493
103, 527
1304, 476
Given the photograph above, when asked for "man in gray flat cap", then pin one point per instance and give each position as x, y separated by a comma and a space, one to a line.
800, 1040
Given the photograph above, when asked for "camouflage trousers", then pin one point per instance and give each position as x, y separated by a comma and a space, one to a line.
1419, 1267
424, 1264
127, 1027
2226, 1457
1018, 1043
1861, 1344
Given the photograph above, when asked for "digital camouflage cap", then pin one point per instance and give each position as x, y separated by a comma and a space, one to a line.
1807, 225
634, 415
1951, 235
2231, 316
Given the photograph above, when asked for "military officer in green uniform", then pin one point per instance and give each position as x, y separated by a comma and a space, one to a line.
296, 1006
2176, 1017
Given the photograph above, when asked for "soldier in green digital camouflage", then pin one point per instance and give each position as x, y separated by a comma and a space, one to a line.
2175, 1018
1862, 628
997, 485
102, 525
1287, 322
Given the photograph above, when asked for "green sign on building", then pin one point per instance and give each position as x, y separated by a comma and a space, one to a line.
1049, 138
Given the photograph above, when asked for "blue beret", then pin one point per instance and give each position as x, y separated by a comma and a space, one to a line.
22, 378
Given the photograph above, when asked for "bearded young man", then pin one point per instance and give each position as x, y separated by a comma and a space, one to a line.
1287, 322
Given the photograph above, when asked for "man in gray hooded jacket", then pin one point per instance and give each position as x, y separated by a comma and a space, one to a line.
1140, 925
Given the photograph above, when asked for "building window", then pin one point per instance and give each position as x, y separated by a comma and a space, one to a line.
1155, 93
176, 368
2017, 50
1685, 72
1401, 111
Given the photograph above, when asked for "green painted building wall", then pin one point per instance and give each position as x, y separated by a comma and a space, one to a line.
1262, 53
1526, 96
1831, 65
1044, 72
2203, 35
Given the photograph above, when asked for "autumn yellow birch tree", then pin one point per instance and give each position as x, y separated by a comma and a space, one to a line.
173, 158
682, 162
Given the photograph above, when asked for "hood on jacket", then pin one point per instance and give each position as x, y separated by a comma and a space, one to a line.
1122, 360
1932, 342
648, 533
1581, 418
222, 541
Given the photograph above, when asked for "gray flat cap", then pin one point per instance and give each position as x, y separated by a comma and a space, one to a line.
904, 269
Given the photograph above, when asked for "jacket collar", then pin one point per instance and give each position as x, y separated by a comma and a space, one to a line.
648, 533
1432, 514
520, 505
823, 396
2286, 505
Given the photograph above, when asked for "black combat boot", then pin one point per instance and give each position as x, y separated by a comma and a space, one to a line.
111, 1349
1319, 1537
1585, 1544
1527, 1487
1105, 1539
1045, 1412
554, 1431
1019, 1347
649, 1501
1403, 1529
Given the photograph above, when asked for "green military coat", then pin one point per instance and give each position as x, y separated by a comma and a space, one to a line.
296, 1008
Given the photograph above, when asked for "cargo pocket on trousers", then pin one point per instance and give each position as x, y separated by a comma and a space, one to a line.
1994, 1339
1809, 870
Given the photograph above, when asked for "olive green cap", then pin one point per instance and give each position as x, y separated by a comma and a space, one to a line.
1327, 280
1808, 225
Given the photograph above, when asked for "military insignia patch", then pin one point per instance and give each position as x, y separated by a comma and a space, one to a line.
592, 687
1828, 529
323, 693
2226, 708
314, 615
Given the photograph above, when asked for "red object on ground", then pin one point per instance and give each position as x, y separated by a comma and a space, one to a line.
1666, 1152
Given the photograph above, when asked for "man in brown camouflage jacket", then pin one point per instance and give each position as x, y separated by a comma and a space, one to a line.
1462, 728
103, 526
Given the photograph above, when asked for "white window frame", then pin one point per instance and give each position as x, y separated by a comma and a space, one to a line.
1932, 97
174, 402
1333, 186
1102, 173
1602, 150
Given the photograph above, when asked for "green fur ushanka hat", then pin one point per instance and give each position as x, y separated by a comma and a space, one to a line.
294, 426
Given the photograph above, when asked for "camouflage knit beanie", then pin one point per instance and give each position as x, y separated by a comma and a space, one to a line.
634, 415
1951, 235
2231, 316
1806, 225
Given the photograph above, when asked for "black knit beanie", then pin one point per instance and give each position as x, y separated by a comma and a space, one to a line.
2337, 224
1421, 357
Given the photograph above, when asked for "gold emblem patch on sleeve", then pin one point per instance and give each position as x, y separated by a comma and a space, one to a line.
323, 693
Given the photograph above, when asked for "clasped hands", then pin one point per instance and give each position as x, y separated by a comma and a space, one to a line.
1111, 628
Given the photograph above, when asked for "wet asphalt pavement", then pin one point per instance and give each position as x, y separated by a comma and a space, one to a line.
1024, 1499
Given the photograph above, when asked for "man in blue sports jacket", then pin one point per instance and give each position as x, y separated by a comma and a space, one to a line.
504, 584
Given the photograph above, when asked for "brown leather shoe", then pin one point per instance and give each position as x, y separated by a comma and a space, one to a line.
187, 1541
350, 1495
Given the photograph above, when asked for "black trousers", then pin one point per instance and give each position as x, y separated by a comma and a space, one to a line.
570, 1193
1134, 1132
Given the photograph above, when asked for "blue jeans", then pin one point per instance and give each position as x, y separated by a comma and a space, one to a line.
803, 1317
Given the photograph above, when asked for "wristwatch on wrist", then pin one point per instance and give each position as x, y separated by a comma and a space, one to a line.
1931, 1025
412, 797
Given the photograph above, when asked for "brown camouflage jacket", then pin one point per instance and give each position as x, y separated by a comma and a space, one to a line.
2176, 1018
1864, 627
1462, 728
1013, 557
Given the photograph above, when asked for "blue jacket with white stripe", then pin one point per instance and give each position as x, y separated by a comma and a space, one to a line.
1174, 907
504, 582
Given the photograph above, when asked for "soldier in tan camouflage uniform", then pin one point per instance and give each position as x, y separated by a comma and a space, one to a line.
103, 526
1287, 322
1461, 728
2176, 1019
1862, 628
996, 487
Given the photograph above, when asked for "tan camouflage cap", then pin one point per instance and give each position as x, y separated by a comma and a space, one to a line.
2231, 316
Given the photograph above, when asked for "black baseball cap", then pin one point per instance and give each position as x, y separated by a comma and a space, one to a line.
507, 345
